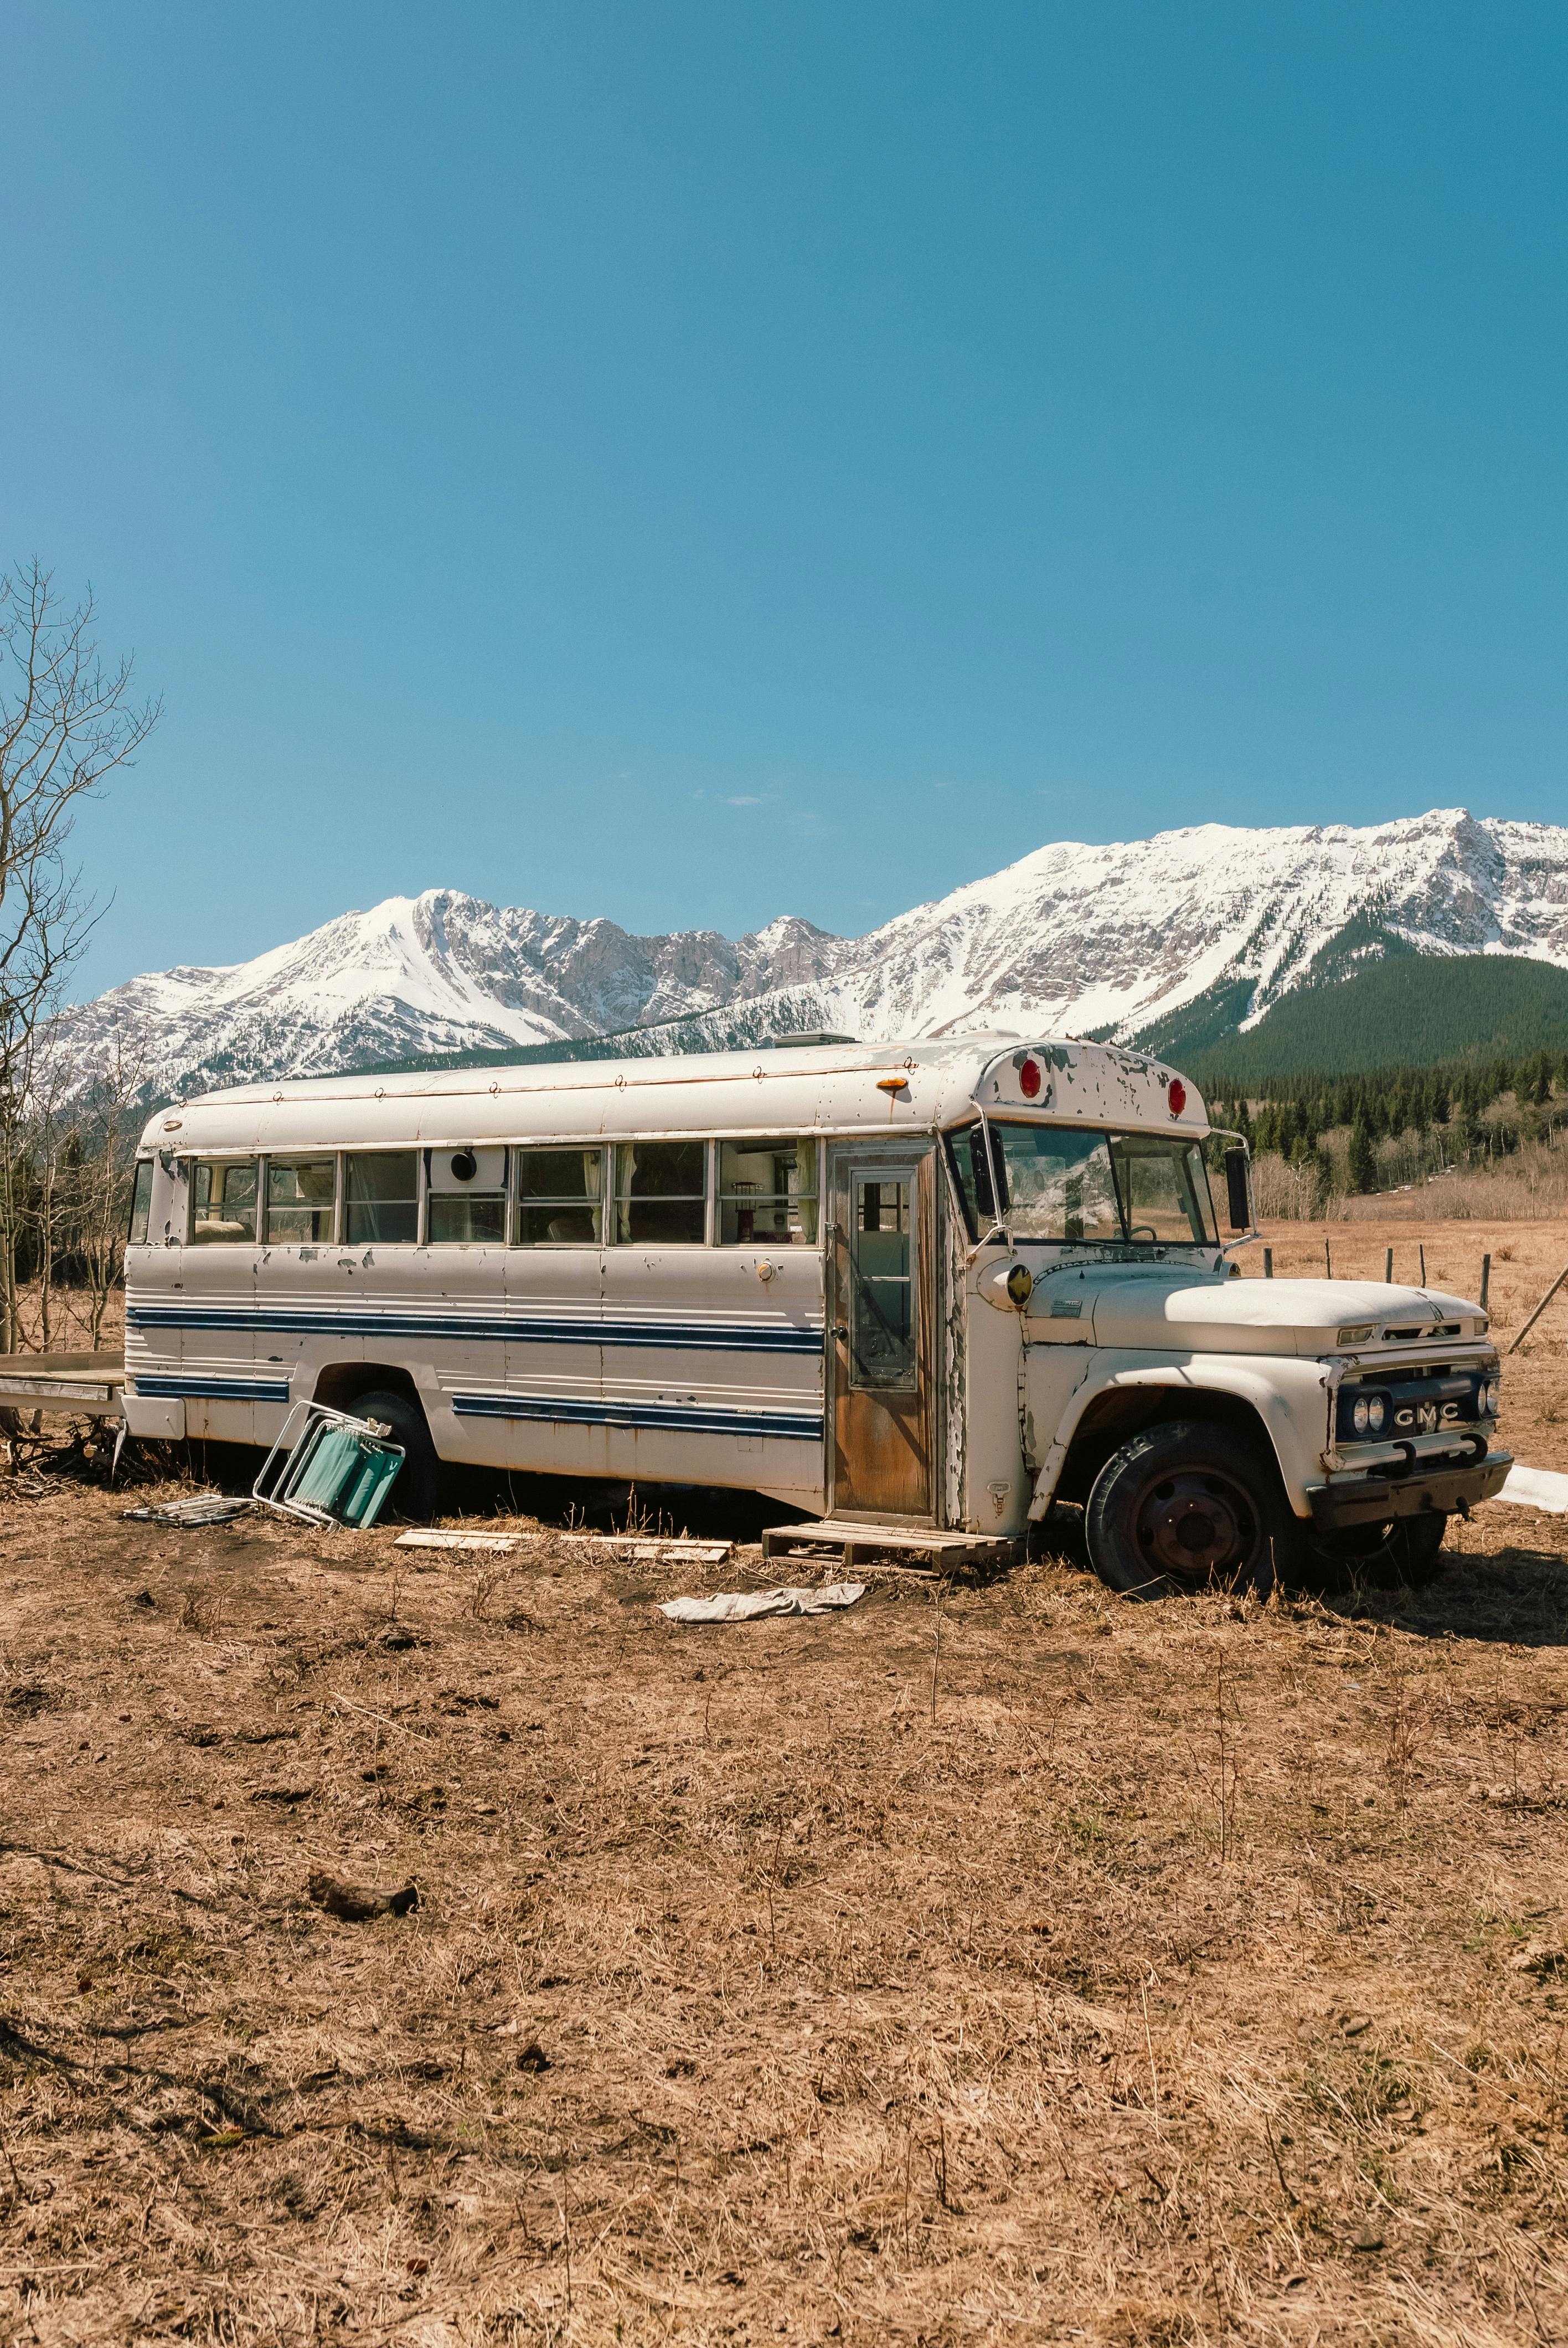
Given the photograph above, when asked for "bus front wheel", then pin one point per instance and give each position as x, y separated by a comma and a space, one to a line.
1184, 1508
418, 1488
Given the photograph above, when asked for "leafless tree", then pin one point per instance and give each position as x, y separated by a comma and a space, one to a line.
106, 1146
68, 719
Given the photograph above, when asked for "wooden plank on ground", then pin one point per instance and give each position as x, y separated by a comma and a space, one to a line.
652, 1550
636, 1546
498, 1541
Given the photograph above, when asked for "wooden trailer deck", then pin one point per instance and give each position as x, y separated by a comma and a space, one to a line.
73, 1385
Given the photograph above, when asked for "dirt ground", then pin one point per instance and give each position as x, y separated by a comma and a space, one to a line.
1001, 1962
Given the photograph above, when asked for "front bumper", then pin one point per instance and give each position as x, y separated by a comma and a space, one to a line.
1372, 1499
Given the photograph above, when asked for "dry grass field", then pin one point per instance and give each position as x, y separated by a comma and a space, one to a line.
993, 1964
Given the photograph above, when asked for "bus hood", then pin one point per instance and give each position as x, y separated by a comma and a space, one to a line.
1160, 1308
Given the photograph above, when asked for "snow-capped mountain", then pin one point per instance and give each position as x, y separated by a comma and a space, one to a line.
1184, 938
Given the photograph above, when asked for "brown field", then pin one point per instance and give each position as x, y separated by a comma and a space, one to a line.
1009, 1963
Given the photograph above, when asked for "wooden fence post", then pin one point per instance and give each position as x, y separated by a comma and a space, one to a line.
1539, 1309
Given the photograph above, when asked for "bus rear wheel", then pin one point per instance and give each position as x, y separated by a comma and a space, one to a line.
418, 1488
1184, 1508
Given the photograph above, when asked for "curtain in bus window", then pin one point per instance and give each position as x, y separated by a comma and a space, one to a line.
301, 1196
767, 1193
1164, 1188
660, 1193
805, 1192
225, 1193
1057, 1183
380, 1197
558, 1201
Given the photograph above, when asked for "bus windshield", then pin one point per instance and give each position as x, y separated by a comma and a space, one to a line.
1068, 1184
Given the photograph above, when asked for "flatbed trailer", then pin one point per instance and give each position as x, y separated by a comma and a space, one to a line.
69, 1385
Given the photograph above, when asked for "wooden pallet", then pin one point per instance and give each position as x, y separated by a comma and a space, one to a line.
890, 1547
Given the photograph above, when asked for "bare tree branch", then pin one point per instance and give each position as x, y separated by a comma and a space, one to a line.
67, 720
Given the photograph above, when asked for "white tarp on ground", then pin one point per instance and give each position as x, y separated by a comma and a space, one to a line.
1536, 1488
745, 1605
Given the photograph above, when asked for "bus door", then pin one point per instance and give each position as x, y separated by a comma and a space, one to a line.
880, 1330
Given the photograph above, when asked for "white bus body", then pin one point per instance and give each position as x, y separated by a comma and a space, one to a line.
785, 1271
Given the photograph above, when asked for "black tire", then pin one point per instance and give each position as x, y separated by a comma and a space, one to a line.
1188, 1506
1406, 1552
1416, 1544
418, 1487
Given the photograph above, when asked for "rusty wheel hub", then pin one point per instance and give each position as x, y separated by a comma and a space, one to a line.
1198, 1526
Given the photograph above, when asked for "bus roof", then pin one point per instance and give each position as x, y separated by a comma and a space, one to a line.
918, 1086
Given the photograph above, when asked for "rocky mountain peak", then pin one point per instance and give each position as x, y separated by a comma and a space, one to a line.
1186, 937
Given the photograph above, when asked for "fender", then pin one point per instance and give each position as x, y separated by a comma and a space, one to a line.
1289, 1396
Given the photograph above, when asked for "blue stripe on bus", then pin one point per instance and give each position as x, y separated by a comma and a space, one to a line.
214, 1389
798, 1425
706, 1336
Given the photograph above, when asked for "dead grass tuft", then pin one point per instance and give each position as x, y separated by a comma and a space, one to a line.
1181, 1974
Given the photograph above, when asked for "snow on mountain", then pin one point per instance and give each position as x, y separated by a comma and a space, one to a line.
1119, 937
1191, 934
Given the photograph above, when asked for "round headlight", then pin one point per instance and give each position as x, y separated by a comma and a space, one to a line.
1359, 1414
1377, 1412
1491, 1395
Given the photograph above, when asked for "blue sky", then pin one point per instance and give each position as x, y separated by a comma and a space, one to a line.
693, 462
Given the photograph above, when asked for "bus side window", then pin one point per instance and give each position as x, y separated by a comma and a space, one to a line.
660, 1193
767, 1193
140, 1202
300, 1195
559, 1198
381, 1192
223, 1212
465, 1201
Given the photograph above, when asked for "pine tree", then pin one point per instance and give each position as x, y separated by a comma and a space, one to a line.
1363, 1162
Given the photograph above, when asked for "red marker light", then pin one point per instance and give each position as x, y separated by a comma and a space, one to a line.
1177, 1096
1029, 1079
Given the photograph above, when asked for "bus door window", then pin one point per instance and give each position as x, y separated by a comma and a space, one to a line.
223, 1210
466, 1197
661, 1193
380, 1197
767, 1193
301, 1197
560, 1198
881, 1284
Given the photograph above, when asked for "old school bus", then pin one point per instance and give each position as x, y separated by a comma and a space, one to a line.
935, 1284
